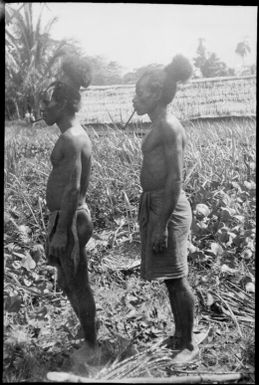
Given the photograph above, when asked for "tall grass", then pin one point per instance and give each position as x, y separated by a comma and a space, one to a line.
219, 171
215, 153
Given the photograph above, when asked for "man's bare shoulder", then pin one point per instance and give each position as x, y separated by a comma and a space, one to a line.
172, 129
75, 138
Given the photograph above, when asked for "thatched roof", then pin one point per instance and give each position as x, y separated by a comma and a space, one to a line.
211, 97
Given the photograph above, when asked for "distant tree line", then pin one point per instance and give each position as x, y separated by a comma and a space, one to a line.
32, 60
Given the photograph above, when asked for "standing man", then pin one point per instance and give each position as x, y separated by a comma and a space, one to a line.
165, 213
70, 225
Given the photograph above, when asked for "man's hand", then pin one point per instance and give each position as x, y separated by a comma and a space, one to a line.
58, 244
159, 240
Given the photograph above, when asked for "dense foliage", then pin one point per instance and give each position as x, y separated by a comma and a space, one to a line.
32, 58
40, 328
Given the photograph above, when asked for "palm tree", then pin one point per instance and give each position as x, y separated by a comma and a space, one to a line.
202, 55
242, 49
32, 57
12, 76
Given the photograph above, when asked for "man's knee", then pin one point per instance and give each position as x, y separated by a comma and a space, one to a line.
180, 289
179, 284
84, 227
61, 279
65, 279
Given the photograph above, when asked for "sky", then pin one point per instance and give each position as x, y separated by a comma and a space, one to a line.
135, 34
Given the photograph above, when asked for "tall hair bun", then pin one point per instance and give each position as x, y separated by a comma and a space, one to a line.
77, 71
180, 69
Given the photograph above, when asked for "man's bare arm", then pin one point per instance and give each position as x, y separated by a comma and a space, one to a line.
173, 157
73, 167
71, 193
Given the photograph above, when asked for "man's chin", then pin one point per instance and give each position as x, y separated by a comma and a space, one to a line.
140, 112
48, 122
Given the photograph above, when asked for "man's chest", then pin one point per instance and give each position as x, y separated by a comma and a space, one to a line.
57, 155
151, 142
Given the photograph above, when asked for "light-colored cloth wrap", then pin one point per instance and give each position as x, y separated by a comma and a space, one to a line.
52, 225
172, 262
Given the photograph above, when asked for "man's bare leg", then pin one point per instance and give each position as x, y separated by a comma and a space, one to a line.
65, 287
85, 301
182, 304
173, 342
80, 296
76, 284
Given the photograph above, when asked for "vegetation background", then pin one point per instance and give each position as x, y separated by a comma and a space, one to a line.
33, 58
40, 328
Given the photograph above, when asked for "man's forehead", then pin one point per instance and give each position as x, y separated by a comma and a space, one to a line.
143, 81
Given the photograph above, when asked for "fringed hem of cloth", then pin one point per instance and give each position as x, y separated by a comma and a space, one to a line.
172, 262
51, 229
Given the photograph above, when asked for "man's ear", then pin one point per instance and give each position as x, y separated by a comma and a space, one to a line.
62, 105
156, 91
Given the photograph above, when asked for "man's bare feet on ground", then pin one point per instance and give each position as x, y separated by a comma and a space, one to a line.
186, 356
172, 342
87, 355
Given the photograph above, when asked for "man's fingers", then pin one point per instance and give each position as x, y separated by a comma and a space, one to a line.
162, 247
53, 251
57, 251
158, 247
155, 249
61, 251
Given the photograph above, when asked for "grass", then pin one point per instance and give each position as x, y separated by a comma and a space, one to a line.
40, 328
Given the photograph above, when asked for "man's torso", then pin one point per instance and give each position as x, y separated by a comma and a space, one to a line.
60, 175
155, 168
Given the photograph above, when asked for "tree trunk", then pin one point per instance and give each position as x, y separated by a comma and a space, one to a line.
17, 109
7, 111
37, 105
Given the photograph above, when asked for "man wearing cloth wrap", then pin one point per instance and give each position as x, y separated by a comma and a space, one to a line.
70, 225
164, 212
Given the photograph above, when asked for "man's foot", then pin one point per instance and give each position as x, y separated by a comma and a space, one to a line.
172, 342
186, 356
87, 356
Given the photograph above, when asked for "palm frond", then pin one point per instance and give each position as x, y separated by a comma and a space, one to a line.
23, 32
48, 27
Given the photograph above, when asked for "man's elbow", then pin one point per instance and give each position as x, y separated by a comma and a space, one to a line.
174, 182
73, 191
174, 187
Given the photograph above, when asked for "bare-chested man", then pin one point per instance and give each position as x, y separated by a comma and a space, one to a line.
165, 213
70, 225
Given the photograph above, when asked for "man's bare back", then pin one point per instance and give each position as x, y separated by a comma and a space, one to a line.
73, 149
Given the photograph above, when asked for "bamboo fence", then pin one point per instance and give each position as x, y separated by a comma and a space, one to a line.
197, 99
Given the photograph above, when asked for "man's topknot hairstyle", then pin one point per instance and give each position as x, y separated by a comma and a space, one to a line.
179, 70
75, 73
166, 79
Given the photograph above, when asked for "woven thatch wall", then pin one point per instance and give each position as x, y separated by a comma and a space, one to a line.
217, 97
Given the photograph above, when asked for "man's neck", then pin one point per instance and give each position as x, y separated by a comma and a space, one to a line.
159, 113
67, 122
